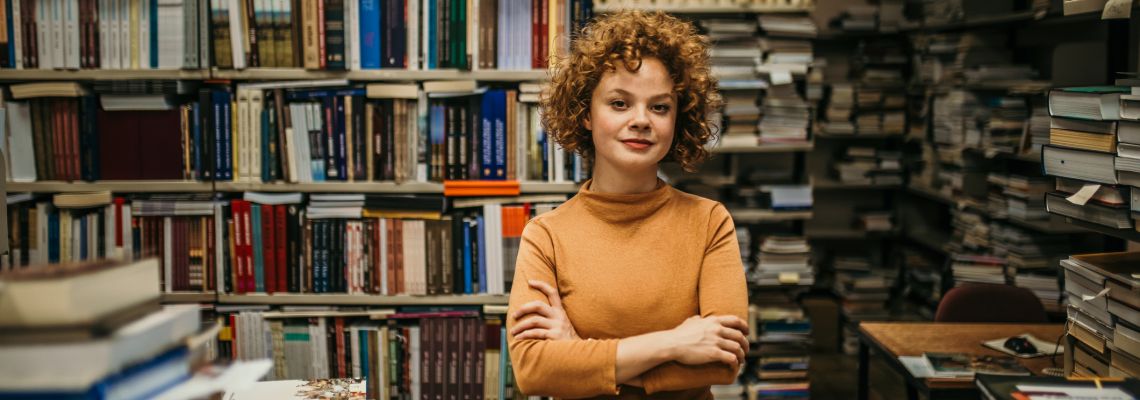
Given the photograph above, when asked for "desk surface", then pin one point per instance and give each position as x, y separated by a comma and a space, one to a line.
914, 338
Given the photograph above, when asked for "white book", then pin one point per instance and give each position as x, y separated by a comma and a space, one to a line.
21, 147
39, 255
145, 14
352, 37
299, 137
493, 235
128, 246
171, 34
58, 34
104, 32
220, 231
18, 34
241, 147
71, 33
43, 19
253, 135
354, 343
74, 366
524, 36
383, 227
415, 366
128, 57
413, 35
237, 45
424, 42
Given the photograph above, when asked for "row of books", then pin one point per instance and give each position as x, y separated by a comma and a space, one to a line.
783, 260
310, 34
95, 330
405, 353
285, 133
864, 289
782, 343
860, 165
276, 243
1091, 145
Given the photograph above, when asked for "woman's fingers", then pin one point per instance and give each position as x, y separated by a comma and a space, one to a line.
537, 333
550, 292
534, 307
530, 323
733, 348
736, 336
734, 322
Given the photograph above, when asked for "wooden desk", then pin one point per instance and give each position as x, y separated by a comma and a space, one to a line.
894, 339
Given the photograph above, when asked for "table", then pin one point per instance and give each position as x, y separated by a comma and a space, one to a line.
894, 339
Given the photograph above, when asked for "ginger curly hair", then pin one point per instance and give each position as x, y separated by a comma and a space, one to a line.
626, 37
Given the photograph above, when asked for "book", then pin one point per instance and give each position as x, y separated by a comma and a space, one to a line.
1098, 103
951, 365
999, 387
59, 295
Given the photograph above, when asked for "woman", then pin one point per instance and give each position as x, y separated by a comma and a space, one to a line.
630, 289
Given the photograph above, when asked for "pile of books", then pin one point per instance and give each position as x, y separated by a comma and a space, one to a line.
923, 281
1004, 128
95, 330
840, 105
784, 260
782, 337
866, 165
863, 289
976, 268
1091, 144
735, 55
1018, 196
1104, 313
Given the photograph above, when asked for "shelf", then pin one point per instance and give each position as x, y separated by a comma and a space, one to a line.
871, 135
830, 184
113, 186
762, 215
381, 75
100, 74
1126, 234
545, 187
360, 299
846, 234
333, 187
683, 9
931, 193
1053, 225
766, 148
182, 298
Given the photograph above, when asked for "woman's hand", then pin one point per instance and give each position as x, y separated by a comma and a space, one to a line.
546, 321
710, 339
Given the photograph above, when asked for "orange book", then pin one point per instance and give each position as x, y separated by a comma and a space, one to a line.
480, 188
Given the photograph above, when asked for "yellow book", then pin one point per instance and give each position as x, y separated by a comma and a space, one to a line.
1083, 140
367, 213
234, 143
369, 166
64, 235
135, 34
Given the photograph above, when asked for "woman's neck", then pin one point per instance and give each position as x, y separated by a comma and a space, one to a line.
608, 179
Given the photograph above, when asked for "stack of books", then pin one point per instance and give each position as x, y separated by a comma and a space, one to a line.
783, 336
863, 289
92, 330
1004, 129
838, 113
1104, 313
923, 281
735, 55
784, 377
858, 18
976, 268
1018, 196
786, 116
866, 166
1045, 286
784, 260
1086, 127
876, 221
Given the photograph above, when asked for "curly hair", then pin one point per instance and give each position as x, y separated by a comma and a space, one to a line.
627, 37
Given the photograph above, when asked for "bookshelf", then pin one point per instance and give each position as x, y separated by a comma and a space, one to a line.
606, 7
112, 186
765, 148
100, 74
767, 216
359, 300
848, 234
237, 187
400, 75
832, 184
184, 298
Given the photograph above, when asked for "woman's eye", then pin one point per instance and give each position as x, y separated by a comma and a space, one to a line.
661, 108
618, 103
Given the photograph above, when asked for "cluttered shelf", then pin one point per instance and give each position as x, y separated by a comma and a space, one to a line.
831, 184
360, 299
316, 187
930, 239
766, 148
750, 215
848, 234
1126, 234
112, 186
1052, 225
381, 74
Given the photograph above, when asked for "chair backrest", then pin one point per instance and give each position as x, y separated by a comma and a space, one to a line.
985, 302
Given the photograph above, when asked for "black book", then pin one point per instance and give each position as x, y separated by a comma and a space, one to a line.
334, 34
1002, 387
88, 139
359, 140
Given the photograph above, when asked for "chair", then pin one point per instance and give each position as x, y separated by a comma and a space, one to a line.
990, 303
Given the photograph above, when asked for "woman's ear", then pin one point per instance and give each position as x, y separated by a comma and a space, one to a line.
586, 123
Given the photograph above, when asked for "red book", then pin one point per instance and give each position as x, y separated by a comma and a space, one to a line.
247, 246
281, 261
73, 139
58, 149
543, 33
241, 282
391, 256
398, 251
268, 248
340, 367
535, 24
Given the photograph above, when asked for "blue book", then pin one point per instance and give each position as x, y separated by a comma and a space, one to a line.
438, 120
486, 131
433, 35
318, 94
369, 34
196, 134
144, 380
363, 352
543, 145
316, 141
83, 238
341, 146
504, 361
481, 228
500, 135
53, 236
466, 258
258, 256
227, 136
11, 35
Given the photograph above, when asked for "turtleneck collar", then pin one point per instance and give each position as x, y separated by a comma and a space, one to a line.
621, 208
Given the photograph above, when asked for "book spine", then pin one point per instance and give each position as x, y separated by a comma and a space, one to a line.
335, 34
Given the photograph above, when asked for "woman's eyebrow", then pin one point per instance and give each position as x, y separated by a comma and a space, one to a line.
623, 92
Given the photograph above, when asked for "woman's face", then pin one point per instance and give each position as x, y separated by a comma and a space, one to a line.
632, 116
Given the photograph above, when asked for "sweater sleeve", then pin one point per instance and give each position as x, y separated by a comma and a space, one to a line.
557, 368
721, 291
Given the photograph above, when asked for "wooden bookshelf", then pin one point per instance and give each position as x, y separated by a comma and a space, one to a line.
931, 240
856, 136
847, 234
1053, 225
100, 74
183, 298
931, 193
113, 186
754, 215
831, 184
766, 148
332, 187
359, 300
687, 9
380, 74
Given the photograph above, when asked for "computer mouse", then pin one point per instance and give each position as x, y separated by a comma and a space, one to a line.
1020, 345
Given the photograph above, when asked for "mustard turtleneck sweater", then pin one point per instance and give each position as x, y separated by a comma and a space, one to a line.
626, 265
